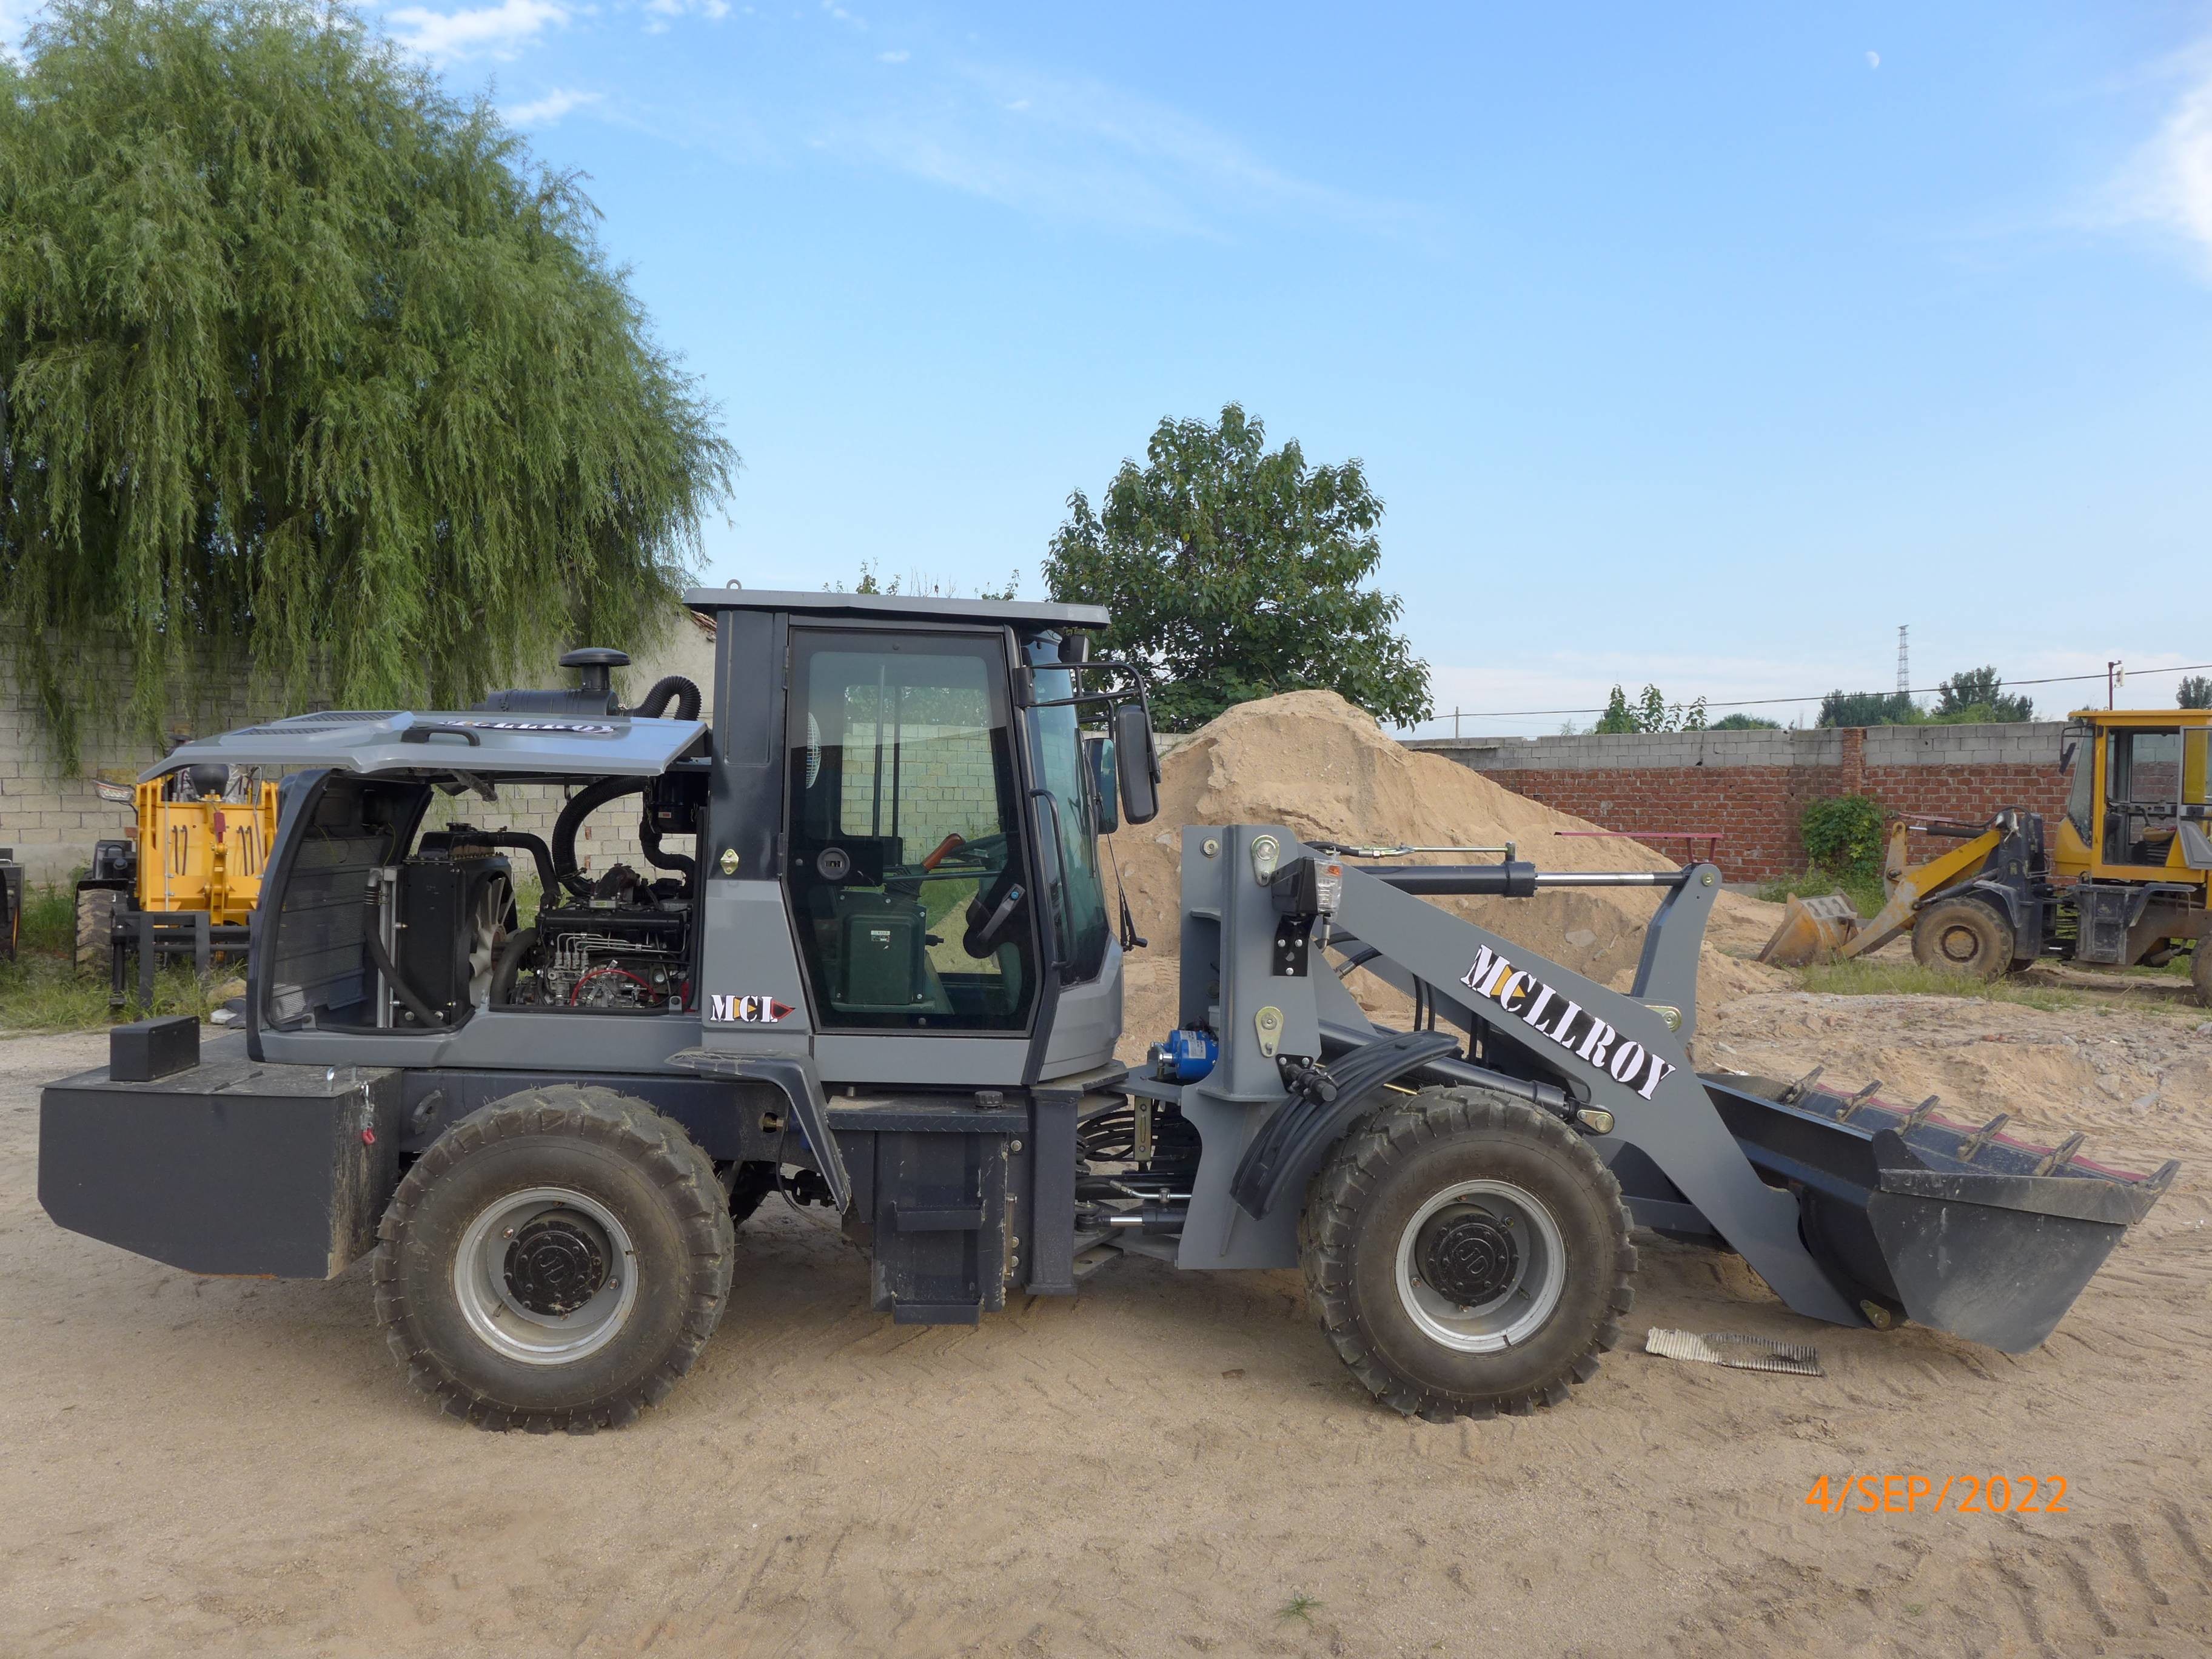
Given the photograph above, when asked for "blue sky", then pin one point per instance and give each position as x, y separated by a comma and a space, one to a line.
1700, 345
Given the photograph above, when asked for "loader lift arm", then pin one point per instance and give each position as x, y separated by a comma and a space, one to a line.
1856, 1212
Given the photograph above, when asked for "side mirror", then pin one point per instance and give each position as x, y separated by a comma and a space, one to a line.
1099, 771
1141, 777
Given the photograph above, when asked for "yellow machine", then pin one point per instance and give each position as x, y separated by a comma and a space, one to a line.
2128, 882
185, 882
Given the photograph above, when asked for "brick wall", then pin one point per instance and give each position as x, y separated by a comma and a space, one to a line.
1752, 787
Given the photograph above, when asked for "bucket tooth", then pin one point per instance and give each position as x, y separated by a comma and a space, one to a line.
1918, 1116
2060, 1156
1857, 1101
2159, 1182
1983, 1136
1796, 1092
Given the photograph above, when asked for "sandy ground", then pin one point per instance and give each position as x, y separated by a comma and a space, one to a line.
1158, 1466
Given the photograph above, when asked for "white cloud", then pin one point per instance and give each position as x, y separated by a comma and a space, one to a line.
899, 57
1078, 148
2170, 183
499, 31
1874, 60
544, 112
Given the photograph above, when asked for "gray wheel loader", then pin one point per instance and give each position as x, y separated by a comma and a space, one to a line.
871, 965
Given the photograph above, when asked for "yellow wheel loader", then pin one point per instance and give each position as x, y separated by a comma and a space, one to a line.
187, 881
2128, 883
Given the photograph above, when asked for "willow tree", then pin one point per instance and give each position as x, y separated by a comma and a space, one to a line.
304, 364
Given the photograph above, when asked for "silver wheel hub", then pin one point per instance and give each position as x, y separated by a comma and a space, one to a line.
547, 1276
1480, 1265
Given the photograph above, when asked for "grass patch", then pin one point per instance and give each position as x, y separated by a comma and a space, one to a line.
1866, 894
1888, 979
49, 919
43, 992
1299, 1607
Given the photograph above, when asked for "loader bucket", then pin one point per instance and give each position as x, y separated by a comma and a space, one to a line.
1811, 929
1961, 1229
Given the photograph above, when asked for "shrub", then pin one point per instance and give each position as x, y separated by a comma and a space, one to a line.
1842, 835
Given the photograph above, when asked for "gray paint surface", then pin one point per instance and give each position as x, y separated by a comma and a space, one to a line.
1086, 1023
612, 745
748, 951
1677, 1127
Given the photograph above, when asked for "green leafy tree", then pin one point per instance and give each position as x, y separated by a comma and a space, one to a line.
1868, 708
306, 364
1977, 696
1650, 711
1740, 722
2196, 692
1234, 571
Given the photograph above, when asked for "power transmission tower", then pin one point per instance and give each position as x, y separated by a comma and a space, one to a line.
1903, 666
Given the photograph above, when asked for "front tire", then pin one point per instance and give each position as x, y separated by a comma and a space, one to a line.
1963, 936
556, 1260
1468, 1255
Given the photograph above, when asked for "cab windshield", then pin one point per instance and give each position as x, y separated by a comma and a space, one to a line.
1067, 819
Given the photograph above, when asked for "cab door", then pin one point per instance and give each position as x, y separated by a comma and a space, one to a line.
2142, 776
908, 868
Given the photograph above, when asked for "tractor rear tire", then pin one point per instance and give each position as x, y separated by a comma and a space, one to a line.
95, 928
1468, 1255
1963, 936
556, 1260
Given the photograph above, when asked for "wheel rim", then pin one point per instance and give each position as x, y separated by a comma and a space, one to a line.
1960, 944
1481, 1265
547, 1276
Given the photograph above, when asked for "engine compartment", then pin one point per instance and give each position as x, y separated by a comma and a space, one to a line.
628, 946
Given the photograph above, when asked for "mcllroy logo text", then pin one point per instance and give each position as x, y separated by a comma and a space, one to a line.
1573, 1027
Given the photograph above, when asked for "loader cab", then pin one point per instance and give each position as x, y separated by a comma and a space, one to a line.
2137, 802
907, 787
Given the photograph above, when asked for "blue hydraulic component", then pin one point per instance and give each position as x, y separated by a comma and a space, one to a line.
1187, 1056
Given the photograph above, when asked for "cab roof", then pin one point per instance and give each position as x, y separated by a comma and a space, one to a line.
391, 741
1019, 613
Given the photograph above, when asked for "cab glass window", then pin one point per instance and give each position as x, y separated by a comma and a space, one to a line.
908, 880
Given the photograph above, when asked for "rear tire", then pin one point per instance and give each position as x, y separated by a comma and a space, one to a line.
556, 1260
1963, 936
95, 928
1468, 1255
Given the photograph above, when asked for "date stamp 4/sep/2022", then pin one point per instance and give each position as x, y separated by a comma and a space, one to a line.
1958, 1494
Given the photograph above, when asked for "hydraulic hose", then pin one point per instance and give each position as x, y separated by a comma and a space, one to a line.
522, 841
648, 841
654, 704
508, 963
572, 818
382, 957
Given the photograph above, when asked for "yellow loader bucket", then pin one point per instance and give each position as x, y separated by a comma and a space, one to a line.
1811, 929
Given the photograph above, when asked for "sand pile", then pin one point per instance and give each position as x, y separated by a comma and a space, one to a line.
1311, 762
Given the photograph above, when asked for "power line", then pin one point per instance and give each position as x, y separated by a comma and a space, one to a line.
1762, 702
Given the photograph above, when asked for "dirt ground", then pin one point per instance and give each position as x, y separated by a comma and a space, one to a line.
1162, 1464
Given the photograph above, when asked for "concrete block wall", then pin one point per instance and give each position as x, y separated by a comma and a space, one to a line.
1752, 787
